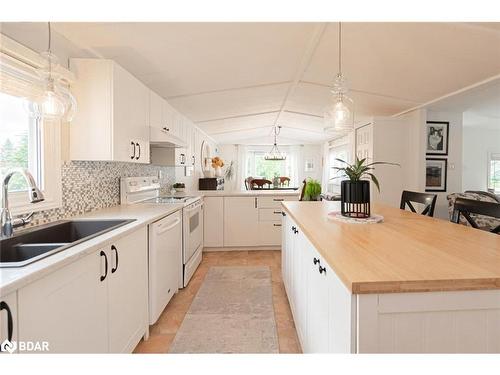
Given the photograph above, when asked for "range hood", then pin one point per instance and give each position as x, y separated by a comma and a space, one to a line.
159, 138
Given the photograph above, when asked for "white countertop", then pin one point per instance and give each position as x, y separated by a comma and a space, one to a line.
243, 193
12, 279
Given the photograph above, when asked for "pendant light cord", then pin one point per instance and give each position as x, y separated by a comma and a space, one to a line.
50, 36
340, 48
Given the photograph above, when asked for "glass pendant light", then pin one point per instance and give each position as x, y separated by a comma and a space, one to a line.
55, 101
275, 154
339, 115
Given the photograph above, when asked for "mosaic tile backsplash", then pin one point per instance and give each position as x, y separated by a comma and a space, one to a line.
91, 185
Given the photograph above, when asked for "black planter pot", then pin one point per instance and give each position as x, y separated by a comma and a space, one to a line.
355, 199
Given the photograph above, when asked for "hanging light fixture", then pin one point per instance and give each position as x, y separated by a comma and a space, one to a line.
274, 153
339, 115
55, 102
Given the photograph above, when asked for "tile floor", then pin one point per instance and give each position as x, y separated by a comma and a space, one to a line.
163, 332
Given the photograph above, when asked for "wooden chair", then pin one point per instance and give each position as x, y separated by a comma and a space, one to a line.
248, 183
284, 180
260, 182
429, 200
466, 207
303, 190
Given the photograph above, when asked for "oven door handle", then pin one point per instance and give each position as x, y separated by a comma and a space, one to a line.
161, 230
194, 208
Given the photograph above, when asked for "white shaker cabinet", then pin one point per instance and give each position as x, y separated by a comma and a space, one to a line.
8, 317
241, 221
112, 121
67, 308
97, 304
213, 222
128, 291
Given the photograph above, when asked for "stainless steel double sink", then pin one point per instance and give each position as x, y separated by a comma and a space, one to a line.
36, 243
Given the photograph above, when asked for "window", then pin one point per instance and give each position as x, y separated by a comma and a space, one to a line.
336, 152
258, 167
494, 172
26, 142
20, 142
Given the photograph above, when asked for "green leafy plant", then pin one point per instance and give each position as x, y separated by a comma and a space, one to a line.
360, 169
312, 190
179, 185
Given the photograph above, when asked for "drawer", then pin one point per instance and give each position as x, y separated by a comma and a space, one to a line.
270, 214
275, 201
269, 233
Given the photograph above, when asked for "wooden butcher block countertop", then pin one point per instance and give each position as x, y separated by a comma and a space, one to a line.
408, 252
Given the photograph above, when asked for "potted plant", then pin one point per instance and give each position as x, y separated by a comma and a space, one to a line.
355, 192
312, 190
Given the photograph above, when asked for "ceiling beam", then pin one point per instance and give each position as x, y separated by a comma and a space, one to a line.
313, 43
173, 97
235, 117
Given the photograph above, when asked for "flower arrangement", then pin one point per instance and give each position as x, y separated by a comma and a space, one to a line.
217, 162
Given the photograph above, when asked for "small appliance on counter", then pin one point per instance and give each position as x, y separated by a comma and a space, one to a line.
212, 183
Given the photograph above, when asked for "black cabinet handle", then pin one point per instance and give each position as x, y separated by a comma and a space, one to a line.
103, 254
316, 261
133, 155
194, 159
139, 146
293, 229
277, 225
113, 248
322, 269
277, 212
10, 323
278, 199
283, 214
166, 129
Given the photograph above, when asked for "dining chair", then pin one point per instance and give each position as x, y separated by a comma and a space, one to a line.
303, 190
409, 197
248, 183
468, 207
260, 182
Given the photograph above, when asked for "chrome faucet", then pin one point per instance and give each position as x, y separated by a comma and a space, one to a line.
34, 195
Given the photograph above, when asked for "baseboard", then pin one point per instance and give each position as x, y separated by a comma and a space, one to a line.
242, 248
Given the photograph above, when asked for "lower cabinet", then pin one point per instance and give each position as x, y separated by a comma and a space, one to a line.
241, 223
8, 319
97, 304
321, 305
213, 222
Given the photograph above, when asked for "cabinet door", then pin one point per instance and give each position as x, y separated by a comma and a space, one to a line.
241, 221
130, 113
269, 233
128, 292
318, 315
285, 234
8, 317
67, 308
300, 284
156, 109
213, 220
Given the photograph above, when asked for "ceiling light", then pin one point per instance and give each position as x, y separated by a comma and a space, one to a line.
55, 101
275, 154
339, 115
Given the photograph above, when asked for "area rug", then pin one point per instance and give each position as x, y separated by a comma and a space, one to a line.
231, 313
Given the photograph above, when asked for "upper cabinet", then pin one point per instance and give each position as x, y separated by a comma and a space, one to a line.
112, 121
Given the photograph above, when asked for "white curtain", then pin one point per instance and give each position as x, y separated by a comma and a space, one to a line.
241, 167
326, 167
296, 165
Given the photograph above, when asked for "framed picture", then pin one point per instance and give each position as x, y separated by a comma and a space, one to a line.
309, 165
437, 137
435, 174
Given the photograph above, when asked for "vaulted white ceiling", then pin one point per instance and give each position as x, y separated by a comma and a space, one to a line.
236, 80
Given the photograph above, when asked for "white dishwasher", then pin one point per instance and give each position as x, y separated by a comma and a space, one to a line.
165, 255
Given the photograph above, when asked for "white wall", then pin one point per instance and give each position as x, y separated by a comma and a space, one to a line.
454, 157
477, 144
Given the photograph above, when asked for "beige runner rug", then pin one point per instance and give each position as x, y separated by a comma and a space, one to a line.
232, 313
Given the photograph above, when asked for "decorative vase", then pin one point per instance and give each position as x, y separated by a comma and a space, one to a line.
218, 172
355, 199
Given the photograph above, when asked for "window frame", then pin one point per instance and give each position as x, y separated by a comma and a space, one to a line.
20, 65
492, 156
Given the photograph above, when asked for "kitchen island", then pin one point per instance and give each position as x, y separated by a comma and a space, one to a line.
410, 284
